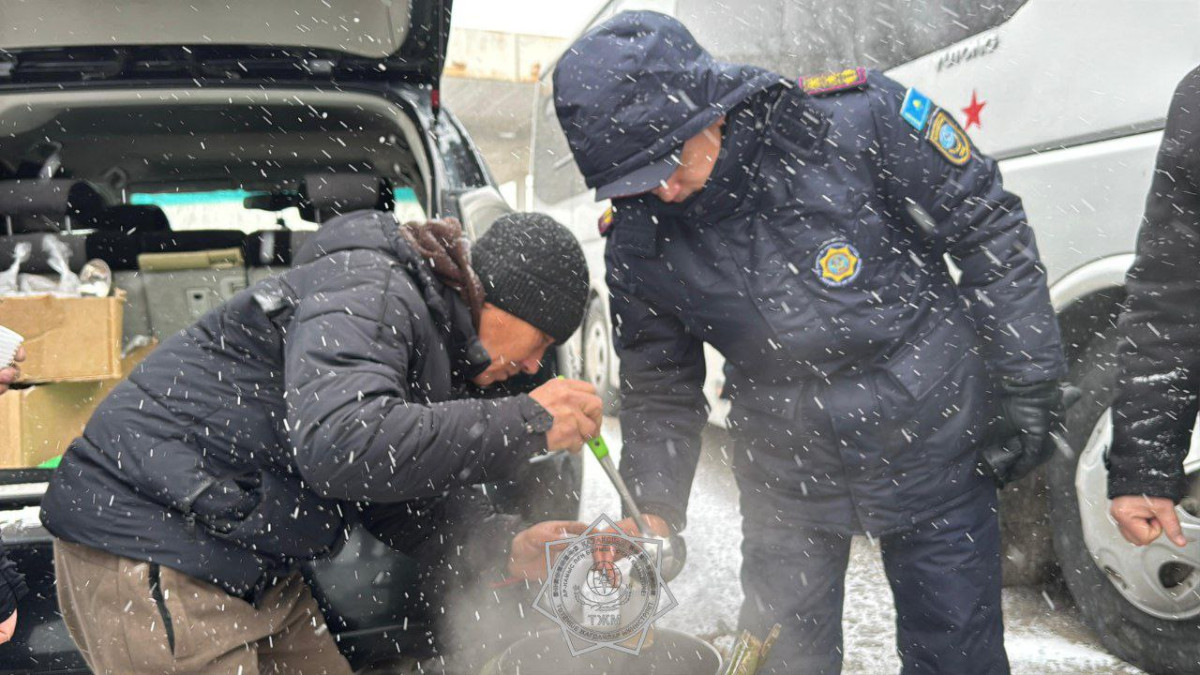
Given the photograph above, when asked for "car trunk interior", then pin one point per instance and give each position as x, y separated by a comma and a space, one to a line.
201, 140
136, 143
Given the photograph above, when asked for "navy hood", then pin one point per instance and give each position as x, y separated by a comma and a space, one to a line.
630, 91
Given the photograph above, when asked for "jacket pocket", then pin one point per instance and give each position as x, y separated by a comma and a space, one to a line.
290, 521
921, 366
795, 128
220, 504
778, 400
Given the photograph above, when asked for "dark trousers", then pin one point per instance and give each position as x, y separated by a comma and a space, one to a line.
945, 580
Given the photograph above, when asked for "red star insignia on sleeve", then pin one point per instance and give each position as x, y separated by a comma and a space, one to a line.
972, 111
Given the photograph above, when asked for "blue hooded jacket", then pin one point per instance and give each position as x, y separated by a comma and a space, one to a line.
814, 261
630, 91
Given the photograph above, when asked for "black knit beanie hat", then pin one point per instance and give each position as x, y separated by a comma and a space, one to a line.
532, 267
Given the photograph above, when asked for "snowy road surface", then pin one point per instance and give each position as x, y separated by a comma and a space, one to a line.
1045, 635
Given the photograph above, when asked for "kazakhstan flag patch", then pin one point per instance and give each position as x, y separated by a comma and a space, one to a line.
916, 109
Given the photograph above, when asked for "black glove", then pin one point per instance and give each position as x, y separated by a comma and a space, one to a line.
1023, 436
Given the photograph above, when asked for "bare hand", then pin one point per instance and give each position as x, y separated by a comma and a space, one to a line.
1142, 519
576, 409
528, 554
13, 373
658, 528
8, 627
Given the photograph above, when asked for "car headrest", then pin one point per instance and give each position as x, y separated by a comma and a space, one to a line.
273, 201
329, 194
130, 218
121, 249
54, 199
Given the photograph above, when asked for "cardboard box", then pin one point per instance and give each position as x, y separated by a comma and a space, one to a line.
38, 423
67, 339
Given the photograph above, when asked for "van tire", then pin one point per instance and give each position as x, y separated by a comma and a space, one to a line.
547, 489
598, 354
1153, 644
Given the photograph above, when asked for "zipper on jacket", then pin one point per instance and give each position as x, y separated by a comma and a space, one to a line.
157, 593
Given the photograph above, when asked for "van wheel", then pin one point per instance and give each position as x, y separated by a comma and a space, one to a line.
1143, 603
598, 355
549, 488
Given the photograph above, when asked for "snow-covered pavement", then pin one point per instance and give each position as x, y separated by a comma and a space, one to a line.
1045, 635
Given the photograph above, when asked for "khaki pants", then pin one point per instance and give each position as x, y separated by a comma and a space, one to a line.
129, 616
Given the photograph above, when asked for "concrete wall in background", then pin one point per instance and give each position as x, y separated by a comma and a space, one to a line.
491, 55
488, 83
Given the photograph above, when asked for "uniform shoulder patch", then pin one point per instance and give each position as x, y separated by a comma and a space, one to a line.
949, 139
916, 109
606, 222
828, 83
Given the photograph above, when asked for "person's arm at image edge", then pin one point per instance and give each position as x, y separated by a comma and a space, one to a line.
1159, 349
10, 375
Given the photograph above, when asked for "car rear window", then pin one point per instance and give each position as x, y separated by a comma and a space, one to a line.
224, 210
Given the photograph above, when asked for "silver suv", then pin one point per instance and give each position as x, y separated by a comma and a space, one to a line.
134, 129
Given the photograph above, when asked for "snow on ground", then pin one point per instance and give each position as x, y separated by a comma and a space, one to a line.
1044, 636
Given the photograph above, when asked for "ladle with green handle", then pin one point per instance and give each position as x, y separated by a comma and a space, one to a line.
674, 550
600, 451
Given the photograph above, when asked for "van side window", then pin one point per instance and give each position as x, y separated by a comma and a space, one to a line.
908, 29
558, 177
754, 34
803, 37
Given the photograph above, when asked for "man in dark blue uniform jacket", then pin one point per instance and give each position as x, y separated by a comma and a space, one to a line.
802, 229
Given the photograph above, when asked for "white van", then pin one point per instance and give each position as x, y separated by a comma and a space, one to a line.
1071, 97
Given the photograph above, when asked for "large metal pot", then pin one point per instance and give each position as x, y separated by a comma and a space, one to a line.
546, 653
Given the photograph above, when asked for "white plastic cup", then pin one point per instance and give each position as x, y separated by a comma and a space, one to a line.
10, 342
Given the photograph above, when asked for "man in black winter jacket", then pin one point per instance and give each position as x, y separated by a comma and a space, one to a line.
246, 443
1159, 386
801, 228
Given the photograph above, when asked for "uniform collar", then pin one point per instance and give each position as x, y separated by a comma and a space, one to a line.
732, 179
